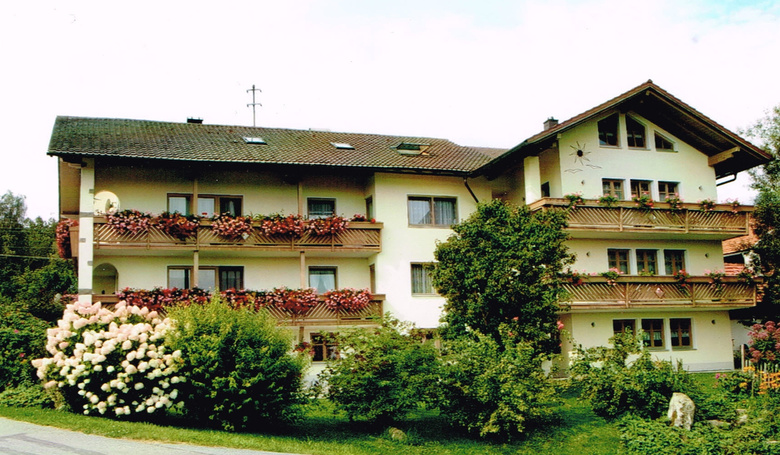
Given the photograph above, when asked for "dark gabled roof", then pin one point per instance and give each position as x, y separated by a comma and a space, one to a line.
668, 112
74, 137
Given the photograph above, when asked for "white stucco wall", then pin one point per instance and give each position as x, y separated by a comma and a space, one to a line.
712, 345
403, 244
699, 255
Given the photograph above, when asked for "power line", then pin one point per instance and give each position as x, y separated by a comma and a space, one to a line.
31, 257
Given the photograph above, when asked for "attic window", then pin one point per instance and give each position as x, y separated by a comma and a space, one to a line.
412, 148
662, 143
254, 140
342, 146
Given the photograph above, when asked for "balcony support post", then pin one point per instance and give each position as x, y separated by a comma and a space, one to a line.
195, 267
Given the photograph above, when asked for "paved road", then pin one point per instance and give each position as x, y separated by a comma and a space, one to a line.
22, 438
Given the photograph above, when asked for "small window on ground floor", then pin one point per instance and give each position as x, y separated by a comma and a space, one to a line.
623, 326
667, 190
680, 329
640, 187
653, 336
612, 187
324, 347
422, 284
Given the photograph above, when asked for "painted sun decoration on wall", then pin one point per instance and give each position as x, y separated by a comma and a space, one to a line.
581, 160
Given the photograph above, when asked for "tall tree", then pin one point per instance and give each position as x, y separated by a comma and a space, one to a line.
500, 272
767, 213
12, 239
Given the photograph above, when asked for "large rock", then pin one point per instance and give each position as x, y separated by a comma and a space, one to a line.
681, 409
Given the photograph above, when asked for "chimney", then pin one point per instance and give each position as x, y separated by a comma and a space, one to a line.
194, 120
550, 123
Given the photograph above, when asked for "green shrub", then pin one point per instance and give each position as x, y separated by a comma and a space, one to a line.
494, 390
382, 374
240, 374
22, 338
27, 396
614, 386
39, 288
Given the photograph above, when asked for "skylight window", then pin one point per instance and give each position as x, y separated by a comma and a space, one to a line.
412, 148
342, 146
254, 140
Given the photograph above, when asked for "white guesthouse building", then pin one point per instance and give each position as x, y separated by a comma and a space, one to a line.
643, 141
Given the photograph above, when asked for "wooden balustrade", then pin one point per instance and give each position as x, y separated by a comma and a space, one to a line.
359, 236
722, 222
660, 292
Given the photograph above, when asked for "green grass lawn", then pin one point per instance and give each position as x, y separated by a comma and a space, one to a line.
576, 431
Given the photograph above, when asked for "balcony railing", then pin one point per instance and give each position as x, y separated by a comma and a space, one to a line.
359, 236
723, 221
661, 292
320, 315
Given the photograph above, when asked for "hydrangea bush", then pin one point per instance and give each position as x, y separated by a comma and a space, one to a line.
112, 362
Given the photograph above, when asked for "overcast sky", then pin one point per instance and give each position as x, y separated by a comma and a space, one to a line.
483, 73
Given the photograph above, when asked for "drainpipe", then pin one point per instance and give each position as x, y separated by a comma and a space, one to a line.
466, 182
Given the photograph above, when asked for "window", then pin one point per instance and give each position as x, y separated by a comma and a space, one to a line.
437, 211
612, 187
546, 189
666, 190
662, 143
646, 262
680, 329
421, 279
323, 279
635, 133
370, 208
623, 326
674, 261
321, 208
653, 336
208, 205
618, 259
179, 203
608, 130
209, 278
640, 187
324, 347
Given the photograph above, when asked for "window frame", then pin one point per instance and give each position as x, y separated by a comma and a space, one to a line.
425, 268
623, 323
218, 200
677, 333
322, 268
432, 210
633, 135
645, 257
649, 334
638, 187
656, 137
323, 347
664, 192
317, 215
605, 139
616, 261
610, 187
672, 258
218, 269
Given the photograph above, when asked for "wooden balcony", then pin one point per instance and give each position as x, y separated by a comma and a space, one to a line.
360, 238
320, 315
590, 220
646, 292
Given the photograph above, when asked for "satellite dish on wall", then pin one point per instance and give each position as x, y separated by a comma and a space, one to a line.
105, 203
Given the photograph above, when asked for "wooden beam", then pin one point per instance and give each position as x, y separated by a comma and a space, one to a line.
723, 156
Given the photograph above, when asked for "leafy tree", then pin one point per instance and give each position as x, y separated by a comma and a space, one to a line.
12, 241
502, 266
767, 213
383, 373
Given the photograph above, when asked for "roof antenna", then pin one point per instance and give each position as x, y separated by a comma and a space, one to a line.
253, 103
